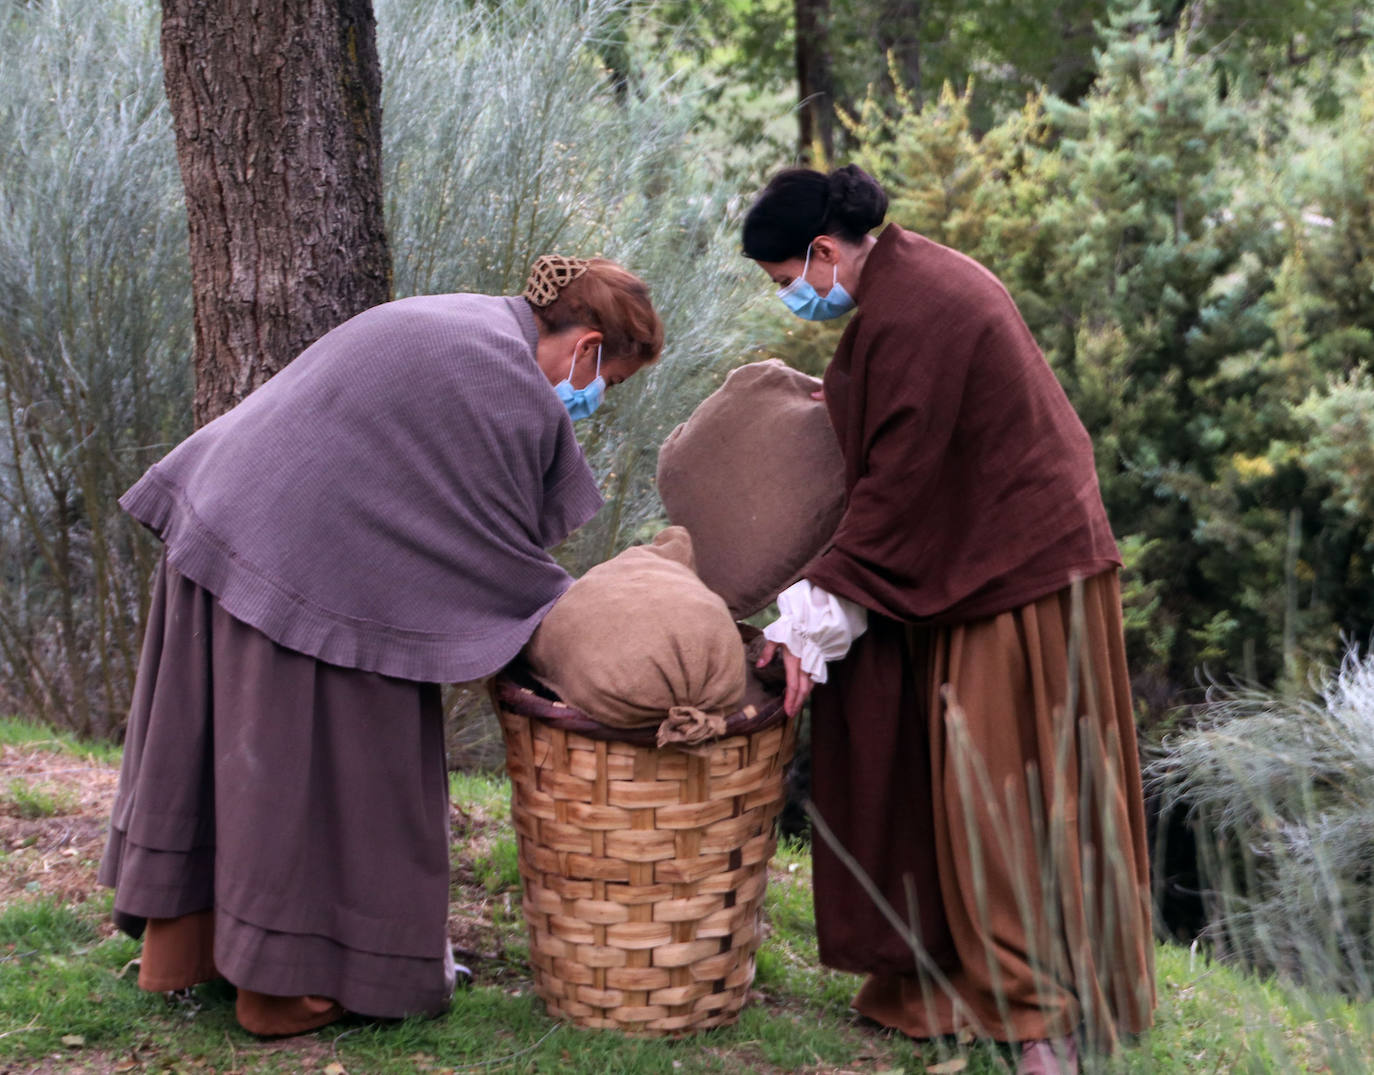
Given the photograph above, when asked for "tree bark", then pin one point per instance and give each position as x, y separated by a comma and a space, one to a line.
899, 37
277, 113
815, 82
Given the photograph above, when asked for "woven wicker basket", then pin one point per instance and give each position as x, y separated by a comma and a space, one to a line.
644, 869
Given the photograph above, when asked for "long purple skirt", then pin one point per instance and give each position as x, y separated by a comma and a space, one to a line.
306, 804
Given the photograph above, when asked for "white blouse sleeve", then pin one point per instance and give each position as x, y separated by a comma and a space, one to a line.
815, 625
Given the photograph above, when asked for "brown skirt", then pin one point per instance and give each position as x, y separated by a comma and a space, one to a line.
306, 805
1009, 838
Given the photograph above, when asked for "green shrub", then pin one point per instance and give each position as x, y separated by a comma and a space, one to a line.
1194, 266
504, 138
95, 337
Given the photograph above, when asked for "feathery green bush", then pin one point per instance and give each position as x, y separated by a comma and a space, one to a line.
95, 347
504, 138
1280, 791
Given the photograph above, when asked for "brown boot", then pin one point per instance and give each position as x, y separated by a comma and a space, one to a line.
276, 1017
1056, 1056
178, 952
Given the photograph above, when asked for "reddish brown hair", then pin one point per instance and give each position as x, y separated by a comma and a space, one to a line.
613, 301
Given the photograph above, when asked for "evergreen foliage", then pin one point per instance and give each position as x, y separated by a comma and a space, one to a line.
1177, 264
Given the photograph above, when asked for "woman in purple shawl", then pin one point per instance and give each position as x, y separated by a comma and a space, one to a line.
369, 524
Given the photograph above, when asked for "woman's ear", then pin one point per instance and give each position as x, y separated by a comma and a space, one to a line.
825, 249
588, 343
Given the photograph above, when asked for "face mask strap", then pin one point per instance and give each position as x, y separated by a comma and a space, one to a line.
573, 366
834, 275
806, 266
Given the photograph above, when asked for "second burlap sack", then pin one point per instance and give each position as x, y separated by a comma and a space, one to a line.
641, 640
756, 476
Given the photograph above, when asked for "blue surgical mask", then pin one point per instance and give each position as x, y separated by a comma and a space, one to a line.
581, 402
804, 301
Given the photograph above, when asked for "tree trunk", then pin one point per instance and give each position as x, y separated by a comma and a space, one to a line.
899, 37
277, 112
815, 82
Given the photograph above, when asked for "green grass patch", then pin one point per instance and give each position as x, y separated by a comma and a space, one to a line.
498, 870
1215, 1017
37, 800
66, 989
789, 963
17, 732
487, 792
512, 1032
59, 979
45, 926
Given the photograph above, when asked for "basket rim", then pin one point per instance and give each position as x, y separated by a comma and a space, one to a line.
516, 693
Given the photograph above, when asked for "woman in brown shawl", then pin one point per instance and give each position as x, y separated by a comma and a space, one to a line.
370, 523
974, 751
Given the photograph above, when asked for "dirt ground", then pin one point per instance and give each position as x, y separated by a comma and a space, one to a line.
54, 813
54, 816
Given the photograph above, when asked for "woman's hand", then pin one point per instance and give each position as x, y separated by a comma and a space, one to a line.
798, 682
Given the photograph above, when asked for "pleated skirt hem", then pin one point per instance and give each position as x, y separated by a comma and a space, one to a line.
1017, 844
302, 807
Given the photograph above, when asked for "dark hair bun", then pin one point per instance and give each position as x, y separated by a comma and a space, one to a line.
858, 203
800, 203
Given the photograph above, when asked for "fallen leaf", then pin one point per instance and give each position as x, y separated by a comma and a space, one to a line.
74, 1041
947, 1067
334, 1069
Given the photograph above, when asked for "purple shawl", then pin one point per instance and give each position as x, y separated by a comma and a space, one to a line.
385, 501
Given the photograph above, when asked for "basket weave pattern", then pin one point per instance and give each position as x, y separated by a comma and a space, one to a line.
644, 871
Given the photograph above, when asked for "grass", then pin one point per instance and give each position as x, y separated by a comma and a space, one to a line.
60, 978
484, 791
22, 733
69, 1001
499, 869
49, 951
34, 801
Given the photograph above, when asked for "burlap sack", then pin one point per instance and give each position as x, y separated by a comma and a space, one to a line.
641, 640
756, 476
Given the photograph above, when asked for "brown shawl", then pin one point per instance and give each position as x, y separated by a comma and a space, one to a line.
971, 491
385, 501
970, 481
